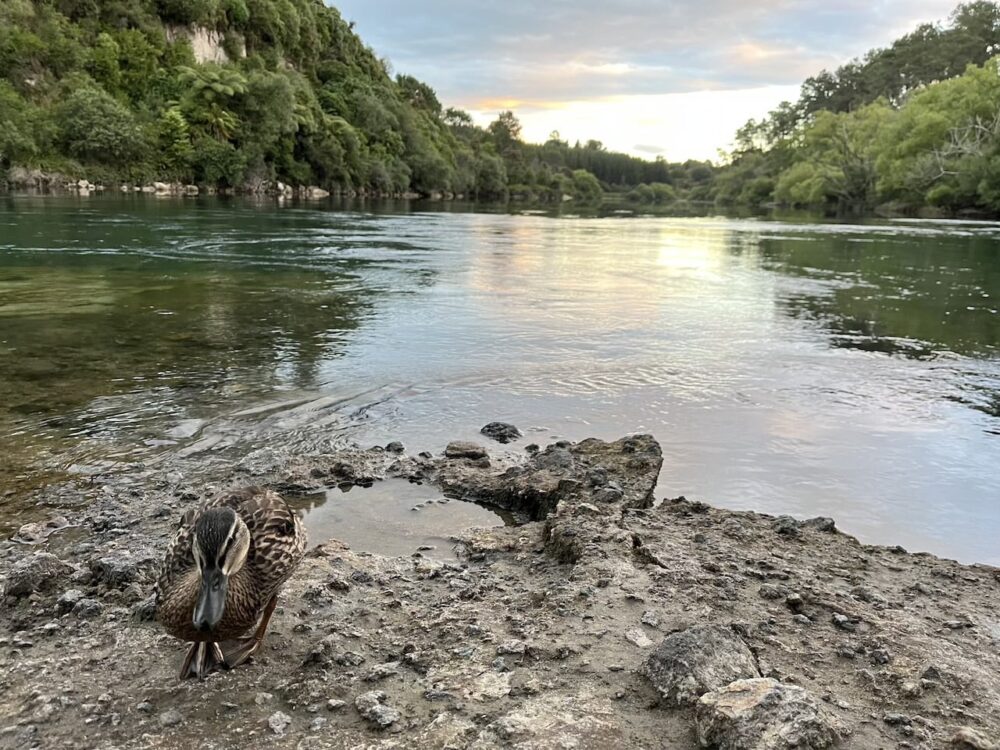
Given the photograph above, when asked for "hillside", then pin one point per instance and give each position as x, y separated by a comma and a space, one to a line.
242, 93
914, 125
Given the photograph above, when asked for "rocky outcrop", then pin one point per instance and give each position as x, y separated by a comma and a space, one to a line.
595, 622
764, 714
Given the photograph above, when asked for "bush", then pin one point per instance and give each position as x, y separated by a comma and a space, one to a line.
95, 127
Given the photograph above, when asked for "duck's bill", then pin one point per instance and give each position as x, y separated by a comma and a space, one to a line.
211, 600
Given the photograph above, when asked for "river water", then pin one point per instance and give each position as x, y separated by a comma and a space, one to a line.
847, 370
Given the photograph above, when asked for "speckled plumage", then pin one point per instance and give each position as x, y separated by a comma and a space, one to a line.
277, 544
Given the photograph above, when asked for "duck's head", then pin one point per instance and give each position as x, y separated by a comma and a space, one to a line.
221, 543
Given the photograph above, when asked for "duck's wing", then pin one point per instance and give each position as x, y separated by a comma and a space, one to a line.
278, 538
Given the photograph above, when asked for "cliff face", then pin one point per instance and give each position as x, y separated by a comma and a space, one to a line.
599, 620
206, 44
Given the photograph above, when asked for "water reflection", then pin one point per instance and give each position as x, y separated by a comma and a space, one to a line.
787, 367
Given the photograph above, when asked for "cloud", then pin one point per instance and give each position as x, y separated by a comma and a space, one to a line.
538, 57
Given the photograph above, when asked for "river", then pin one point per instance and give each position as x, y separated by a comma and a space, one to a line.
795, 366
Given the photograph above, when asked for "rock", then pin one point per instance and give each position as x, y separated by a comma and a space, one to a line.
502, 432
820, 523
161, 187
36, 572
316, 193
763, 714
116, 570
636, 637
145, 610
88, 608
33, 533
512, 647
770, 591
170, 718
896, 719
786, 525
844, 622
967, 738
373, 707
278, 722
691, 662
68, 600
394, 447
381, 671
464, 449
335, 705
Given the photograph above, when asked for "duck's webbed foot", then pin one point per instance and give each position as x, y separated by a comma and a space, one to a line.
244, 648
202, 658
237, 652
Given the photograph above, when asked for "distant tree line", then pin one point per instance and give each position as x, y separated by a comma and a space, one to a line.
113, 90
912, 125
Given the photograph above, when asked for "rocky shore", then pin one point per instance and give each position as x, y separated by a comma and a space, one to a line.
610, 617
39, 181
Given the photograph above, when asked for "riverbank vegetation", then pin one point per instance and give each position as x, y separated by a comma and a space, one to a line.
916, 124
247, 93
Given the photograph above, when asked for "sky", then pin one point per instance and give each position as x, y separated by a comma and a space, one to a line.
671, 78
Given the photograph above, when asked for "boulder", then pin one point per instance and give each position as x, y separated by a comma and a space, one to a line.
691, 662
37, 572
763, 714
502, 432
316, 193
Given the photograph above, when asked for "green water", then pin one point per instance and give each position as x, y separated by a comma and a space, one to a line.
786, 366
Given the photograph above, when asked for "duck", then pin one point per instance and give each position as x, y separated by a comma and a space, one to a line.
222, 573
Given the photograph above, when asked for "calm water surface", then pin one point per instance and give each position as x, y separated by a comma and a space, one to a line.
804, 368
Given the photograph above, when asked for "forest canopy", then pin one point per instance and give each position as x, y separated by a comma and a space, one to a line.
914, 124
237, 93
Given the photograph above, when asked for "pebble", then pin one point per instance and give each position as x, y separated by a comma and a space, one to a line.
278, 722
171, 718
373, 706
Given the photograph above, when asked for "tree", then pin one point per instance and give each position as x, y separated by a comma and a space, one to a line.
17, 143
95, 127
506, 132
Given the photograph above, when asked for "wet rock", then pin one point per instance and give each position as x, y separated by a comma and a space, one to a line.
36, 572
502, 432
763, 714
278, 722
34, 533
691, 662
394, 447
464, 449
373, 707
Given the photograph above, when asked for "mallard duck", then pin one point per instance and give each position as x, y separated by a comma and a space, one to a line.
222, 573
